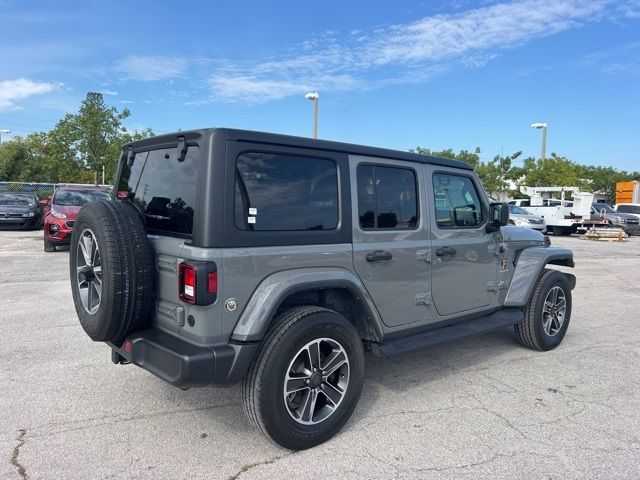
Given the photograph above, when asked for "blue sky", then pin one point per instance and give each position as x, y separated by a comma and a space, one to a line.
440, 74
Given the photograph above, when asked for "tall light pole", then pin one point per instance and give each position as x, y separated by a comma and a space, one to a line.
542, 126
3, 130
314, 97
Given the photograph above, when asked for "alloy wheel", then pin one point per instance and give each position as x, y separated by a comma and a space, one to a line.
316, 381
89, 271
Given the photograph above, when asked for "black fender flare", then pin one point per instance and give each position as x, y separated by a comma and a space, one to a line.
530, 264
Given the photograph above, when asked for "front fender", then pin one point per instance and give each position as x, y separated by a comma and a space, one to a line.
255, 319
529, 267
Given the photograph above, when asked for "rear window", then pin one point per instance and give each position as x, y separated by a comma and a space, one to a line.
277, 192
163, 189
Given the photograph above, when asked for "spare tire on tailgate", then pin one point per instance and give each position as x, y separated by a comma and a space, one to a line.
111, 270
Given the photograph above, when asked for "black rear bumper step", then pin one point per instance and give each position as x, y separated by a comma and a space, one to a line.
184, 364
431, 338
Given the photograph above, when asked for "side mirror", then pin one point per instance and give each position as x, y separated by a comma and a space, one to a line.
498, 216
44, 202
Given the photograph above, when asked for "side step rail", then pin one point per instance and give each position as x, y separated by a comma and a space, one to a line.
431, 338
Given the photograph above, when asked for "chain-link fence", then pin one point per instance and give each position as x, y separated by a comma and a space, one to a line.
43, 190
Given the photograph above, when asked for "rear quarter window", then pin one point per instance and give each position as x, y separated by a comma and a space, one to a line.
279, 192
163, 188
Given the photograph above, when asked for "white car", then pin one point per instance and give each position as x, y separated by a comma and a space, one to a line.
521, 218
631, 208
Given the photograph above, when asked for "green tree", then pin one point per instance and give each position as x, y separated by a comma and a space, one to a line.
552, 171
92, 132
12, 158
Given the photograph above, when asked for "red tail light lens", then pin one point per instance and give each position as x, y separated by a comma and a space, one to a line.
187, 283
197, 282
212, 283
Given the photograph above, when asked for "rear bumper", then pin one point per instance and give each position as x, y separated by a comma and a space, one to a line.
184, 364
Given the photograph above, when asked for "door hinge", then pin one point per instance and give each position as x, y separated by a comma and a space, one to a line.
424, 255
423, 298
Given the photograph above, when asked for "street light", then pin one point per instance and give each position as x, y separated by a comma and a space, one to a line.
314, 97
542, 126
3, 130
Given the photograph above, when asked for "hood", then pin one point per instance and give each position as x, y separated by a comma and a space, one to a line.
626, 216
520, 234
17, 208
520, 216
70, 211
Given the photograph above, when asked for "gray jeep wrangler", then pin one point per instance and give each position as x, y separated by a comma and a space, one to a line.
231, 256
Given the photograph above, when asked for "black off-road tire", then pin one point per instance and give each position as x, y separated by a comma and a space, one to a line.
48, 246
262, 389
531, 331
127, 270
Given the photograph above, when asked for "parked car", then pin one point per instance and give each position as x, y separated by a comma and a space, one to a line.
275, 261
62, 210
626, 221
521, 218
20, 210
630, 208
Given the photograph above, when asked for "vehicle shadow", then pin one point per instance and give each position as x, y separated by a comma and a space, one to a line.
409, 372
383, 377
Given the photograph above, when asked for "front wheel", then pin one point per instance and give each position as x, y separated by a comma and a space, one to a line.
306, 379
546, 317
48, 246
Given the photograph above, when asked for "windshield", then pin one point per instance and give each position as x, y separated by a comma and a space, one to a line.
515, 210
77, 198
629, 209
603, 206
15, 200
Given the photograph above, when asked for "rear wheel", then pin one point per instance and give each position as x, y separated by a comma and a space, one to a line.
306, 379
547, 315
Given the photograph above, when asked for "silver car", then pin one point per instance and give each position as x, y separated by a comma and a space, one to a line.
626, 221
521, 218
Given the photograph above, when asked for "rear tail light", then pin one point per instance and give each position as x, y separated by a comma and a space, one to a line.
187, 282
197, 282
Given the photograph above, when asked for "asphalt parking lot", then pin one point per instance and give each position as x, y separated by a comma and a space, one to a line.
480, 408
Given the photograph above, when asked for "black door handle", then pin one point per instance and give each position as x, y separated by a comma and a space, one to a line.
378, 256
444, 251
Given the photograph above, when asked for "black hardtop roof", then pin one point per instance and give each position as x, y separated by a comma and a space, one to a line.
290, 140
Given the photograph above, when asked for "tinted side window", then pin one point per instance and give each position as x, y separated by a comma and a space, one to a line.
285, 193
163, 188
387, 197
456, 200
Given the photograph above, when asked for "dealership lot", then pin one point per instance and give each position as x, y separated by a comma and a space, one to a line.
480, 408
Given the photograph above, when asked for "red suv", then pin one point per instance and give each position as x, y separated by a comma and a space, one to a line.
61, 212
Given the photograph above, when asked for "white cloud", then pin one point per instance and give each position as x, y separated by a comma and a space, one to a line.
392, 54
620, 61
12, 90
150, 67
111, 93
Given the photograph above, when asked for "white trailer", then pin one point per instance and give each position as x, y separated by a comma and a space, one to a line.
563, 217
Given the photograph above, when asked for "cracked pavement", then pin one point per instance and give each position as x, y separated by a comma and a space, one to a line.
479, 408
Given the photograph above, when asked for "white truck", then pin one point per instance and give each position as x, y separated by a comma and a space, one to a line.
563, 217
